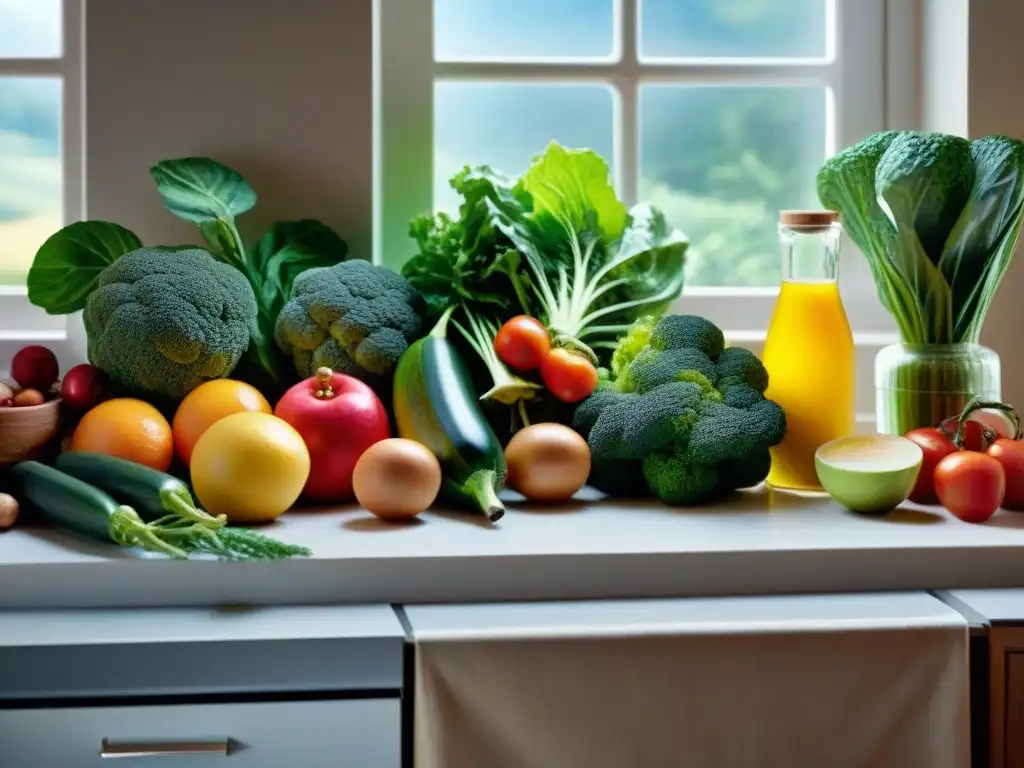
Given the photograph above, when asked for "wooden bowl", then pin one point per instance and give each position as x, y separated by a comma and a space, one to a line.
24, 431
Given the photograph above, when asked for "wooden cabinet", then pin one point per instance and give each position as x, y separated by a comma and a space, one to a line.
1006, 686
997, 673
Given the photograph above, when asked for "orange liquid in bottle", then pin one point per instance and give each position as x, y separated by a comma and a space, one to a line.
809, 355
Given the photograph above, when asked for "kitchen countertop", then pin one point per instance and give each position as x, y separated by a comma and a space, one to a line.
762, 542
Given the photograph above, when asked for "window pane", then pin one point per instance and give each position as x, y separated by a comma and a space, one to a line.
30, 171
506, 125
722, 162
733, 28
30, 28
502, 29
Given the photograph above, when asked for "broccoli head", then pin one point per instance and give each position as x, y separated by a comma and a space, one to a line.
690, 413
353, 317
164, 321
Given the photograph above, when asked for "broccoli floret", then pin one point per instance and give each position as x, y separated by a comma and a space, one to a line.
687, 332
698, 428
675, 480
588, 411
740, 395
162, 322
631, 344
724, 432
354, 317
738, 365
652, 368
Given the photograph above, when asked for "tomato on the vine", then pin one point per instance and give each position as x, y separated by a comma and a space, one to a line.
568, 375
1010, 454
522, 343
935, 446
971, 485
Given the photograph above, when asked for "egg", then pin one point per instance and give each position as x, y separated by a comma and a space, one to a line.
547, 462
396, 478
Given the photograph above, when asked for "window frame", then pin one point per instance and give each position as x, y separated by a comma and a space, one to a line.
20, 322
405, 71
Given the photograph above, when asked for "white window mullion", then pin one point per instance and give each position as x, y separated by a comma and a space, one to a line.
627, 132
403, 105
20, 322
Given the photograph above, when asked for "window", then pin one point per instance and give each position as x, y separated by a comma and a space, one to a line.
717, 111
41, 139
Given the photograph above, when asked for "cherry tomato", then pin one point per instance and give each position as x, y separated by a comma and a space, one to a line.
568, 375
935, 446
971, 485
522, 343
1010, 453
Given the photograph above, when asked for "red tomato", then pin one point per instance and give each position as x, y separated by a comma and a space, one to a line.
975, 437
522, 343
935, 446
569, 375
971, 485
1010, 453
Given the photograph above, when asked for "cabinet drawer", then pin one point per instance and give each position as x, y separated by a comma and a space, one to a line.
361, 733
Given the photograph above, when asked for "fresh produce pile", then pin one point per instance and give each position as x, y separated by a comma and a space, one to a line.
273, 372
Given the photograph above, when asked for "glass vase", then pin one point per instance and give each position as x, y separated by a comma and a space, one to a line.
920, 385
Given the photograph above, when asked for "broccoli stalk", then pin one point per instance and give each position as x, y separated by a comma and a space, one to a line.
507, 388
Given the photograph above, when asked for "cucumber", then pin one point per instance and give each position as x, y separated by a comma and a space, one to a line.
84, 510
151, 492
435, 405
161, 498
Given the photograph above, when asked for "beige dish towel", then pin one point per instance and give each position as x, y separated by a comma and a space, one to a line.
864, 681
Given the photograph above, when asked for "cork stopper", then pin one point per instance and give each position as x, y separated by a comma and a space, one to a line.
808, 220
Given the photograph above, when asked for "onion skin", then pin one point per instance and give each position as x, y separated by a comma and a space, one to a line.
396, 479
547, 463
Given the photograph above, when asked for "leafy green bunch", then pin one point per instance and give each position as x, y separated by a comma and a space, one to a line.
212, 196
557, 244
937, 217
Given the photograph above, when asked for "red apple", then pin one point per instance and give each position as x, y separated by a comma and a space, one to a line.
338, 417
84, 387
35, 367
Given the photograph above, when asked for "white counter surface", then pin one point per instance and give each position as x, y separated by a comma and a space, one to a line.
761, 543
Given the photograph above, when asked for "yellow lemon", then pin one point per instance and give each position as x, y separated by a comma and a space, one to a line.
250, 466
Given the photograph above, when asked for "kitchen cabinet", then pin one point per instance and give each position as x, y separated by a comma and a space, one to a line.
313, 734
998, 681
298, 685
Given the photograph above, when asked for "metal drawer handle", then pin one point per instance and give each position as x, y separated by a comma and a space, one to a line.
115, 749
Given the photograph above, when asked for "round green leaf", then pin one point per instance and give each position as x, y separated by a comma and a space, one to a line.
67, 266
199, 189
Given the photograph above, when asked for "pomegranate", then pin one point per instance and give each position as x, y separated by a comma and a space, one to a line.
338, 417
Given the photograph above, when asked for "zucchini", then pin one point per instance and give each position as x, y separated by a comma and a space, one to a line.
161, 498
152, 493
85, 510
435, 405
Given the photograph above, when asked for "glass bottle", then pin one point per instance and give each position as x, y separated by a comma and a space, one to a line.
809, 350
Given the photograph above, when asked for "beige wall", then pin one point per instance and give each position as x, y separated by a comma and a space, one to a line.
995, 98
278, 89
281, 89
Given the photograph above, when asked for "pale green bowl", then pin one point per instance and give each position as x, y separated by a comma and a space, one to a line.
870, 474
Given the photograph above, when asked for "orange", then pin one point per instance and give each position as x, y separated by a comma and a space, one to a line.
129, 429
208, 403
